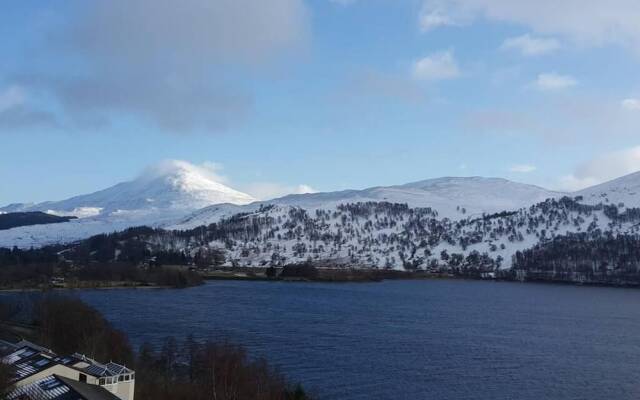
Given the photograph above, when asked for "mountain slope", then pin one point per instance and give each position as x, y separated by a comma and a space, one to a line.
172, 185
163, 193
395, 236
446, 195
625, 190
453, 198
170, 196
13, 220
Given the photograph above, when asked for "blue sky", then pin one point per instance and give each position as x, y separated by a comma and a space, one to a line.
291, 95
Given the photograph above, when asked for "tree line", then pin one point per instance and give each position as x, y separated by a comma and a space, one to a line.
192, 370
584, 257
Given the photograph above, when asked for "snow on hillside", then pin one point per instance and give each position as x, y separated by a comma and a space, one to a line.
453, 198
66, 232
178, 195
625, 190
386, 235
168, 185
165, 192
476, 195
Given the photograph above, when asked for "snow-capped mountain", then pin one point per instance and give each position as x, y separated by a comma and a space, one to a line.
624, 190
448, 196
459, 215
165, 192
453, 198
388, 235
446, 223
170, 185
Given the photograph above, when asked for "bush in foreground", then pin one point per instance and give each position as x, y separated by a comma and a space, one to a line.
192, 371
208, 370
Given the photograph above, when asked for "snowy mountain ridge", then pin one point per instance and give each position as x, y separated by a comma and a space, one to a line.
177, 195
391, 235
170, 185
624, 190
452, 197
163, 193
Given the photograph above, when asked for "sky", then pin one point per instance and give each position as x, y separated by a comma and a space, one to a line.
291, 96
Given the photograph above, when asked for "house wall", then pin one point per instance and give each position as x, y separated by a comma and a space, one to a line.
123, 390
57, 369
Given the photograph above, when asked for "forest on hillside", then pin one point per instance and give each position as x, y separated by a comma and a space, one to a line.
16, 219
177, 370
607, 259
370, 235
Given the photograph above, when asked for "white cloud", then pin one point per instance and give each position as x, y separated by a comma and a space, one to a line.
553, 81
522, 168
433, 19
530, 45
272, 190
587, 22
11, 97
302, 189
164, 62
631, 104
213, 171
558, 120
209, 169
601, 169
437, 66
441, 13
16, 114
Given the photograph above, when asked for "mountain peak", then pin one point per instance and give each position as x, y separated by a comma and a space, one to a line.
171, 185
188, 178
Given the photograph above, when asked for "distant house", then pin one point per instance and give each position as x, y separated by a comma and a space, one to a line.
57, 281
42, 374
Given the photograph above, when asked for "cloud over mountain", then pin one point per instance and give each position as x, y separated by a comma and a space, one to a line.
603, 168
164, 63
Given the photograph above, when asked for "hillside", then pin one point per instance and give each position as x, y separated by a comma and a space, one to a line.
452, 198
386, 235
13, 220
539, 242
624, 190
178, 195
171, 185
447, 224
163, 193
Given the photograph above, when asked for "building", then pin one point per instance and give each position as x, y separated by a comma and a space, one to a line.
42, 374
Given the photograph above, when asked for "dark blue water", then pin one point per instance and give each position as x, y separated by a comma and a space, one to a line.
410, 339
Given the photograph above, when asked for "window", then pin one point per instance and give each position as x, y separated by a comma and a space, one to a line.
102, 381
83, 378
42, 363
120, 378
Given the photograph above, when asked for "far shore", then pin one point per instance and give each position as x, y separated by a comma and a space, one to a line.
325, 275
110, 286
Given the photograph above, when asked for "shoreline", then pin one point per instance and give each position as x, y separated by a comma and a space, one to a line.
99, 287
329, 276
